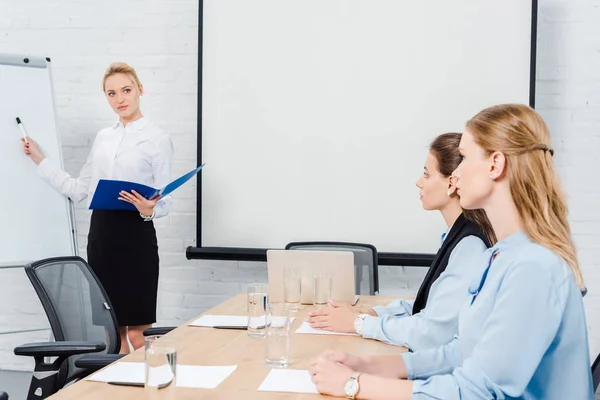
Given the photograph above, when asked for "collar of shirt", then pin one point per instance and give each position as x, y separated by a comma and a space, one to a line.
445, 234
513, 240
138, 124
127, 137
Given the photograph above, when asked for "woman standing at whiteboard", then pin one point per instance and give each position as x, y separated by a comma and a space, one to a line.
122, 246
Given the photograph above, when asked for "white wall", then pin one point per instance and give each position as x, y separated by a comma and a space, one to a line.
84, 37
568, 96
325, 115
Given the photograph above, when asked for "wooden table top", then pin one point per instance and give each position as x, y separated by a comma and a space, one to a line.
208, 346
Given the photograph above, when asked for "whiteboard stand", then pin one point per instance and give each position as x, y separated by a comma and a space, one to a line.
71, 206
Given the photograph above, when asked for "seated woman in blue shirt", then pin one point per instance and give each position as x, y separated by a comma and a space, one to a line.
432, 320
522, 332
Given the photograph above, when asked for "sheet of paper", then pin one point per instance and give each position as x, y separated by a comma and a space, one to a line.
120, 372
235, 320
280, 321
221, 320
288, 380
192, 376
306, 328
202, 377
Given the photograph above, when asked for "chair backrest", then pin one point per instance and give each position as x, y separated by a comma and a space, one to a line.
76, 305
365, 261
596, 373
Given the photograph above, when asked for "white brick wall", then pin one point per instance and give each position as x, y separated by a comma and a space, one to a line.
568, 96
20, 309
159, 38
84, 37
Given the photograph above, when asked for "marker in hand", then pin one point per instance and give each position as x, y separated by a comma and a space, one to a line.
22, 130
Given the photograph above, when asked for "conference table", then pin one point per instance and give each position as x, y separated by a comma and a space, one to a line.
209, 346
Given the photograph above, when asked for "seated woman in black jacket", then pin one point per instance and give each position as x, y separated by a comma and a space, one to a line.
432, 319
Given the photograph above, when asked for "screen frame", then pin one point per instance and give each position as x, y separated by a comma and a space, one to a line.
259, 254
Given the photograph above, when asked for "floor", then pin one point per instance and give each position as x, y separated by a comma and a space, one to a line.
15, 383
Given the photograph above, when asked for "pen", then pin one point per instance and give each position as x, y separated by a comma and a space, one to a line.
22, 130
138, 384
243, 327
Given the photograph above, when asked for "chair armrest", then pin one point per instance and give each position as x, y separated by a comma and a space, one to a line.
97, 361
162, 330
57, 349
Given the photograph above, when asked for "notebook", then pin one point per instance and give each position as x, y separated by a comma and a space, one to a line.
106, 196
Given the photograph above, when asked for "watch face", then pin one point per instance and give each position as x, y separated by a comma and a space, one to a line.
358, 324
351, 387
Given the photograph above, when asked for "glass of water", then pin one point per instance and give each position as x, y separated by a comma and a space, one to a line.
292, 285
322, 287
257, 309
160, 361
277, 346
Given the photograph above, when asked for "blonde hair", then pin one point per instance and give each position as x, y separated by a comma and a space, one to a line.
121, 68
523, 137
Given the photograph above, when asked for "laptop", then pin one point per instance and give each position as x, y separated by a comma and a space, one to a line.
339, 263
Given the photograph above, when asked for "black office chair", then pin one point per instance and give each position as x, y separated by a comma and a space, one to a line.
3, 396
82, 322
596, 373
365, 261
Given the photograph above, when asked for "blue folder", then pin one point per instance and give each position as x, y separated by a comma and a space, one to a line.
106, 196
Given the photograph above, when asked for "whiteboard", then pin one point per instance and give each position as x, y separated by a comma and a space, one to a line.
36, 220
317, 114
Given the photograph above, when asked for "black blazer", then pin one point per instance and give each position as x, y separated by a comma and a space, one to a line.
461, 229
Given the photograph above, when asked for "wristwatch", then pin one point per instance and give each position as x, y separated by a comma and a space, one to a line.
358, 323
351, 387
148, 218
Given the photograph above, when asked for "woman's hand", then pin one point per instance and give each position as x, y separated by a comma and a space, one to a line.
329, 376
353, 362
143, 205
339, 317
32, 149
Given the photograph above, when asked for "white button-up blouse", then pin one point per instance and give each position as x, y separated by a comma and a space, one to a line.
139, 152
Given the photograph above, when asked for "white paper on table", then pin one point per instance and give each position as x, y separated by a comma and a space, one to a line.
278, 322
192, 376
306, 328
202, 377
288, 380
236, 320
221, 320
121, 372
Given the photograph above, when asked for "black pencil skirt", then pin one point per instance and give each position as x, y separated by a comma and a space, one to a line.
123, 252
